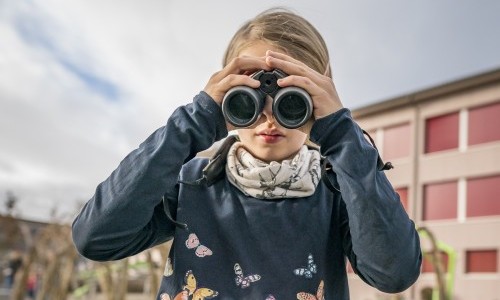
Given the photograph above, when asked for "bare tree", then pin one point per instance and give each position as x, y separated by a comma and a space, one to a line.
51, 249
10, 227
113, 278
10, 203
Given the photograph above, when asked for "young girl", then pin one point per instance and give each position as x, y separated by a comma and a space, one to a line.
264, 219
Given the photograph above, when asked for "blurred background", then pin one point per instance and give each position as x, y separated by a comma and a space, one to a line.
82, 83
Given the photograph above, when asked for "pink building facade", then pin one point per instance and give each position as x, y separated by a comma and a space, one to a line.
445, 145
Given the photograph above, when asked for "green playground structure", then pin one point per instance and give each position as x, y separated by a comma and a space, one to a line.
445, 278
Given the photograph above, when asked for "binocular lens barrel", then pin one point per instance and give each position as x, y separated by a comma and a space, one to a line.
292, 106
242, 106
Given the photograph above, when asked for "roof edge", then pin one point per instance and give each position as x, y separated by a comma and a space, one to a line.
429, 93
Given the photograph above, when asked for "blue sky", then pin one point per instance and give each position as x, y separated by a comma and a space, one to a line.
82, 83
36, 33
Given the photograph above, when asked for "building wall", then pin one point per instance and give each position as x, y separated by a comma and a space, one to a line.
440, 168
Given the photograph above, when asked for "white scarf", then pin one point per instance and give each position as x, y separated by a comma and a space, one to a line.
294, 178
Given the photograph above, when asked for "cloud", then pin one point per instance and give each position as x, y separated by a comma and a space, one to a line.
82, 83
39, 31
57, 121
80, 87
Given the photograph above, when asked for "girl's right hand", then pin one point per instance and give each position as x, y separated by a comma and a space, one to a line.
233, 74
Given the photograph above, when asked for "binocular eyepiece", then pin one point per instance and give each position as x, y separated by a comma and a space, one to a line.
243, 105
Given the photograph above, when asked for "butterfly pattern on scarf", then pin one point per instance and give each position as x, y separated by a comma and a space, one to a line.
193, 242
293, 178
244, 281
315, 174
319, 293
268, 186
308, 271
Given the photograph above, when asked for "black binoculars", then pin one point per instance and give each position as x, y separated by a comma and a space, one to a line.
243, 105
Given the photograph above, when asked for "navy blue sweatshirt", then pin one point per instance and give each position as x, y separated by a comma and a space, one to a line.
238, 247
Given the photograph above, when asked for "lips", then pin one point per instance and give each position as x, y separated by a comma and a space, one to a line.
273, 132
270, 136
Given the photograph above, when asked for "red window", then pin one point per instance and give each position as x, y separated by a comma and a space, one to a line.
403, 196
427, 263
440, 201
483, 196
481, 261
397, 141
484, 124
441, 133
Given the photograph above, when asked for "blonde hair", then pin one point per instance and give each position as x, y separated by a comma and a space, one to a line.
287, 31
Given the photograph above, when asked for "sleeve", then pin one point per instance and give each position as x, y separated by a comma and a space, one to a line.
125, 216
380, 240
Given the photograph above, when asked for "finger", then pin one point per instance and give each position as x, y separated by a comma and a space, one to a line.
302, 82
324, 96
218, 86
245, 65
292, 68
284, 57
233, 80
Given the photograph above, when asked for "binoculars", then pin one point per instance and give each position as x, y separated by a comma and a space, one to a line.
243, 105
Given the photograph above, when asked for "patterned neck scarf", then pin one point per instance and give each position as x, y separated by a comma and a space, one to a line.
294, 178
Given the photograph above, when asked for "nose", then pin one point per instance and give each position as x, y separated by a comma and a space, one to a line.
268, 109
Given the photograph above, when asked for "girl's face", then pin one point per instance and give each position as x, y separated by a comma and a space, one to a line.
267, 140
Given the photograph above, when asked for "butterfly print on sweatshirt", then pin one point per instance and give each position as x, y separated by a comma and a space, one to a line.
307, 271
244, 281
319, 293
193, 242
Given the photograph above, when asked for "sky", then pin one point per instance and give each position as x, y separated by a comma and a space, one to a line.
84, 82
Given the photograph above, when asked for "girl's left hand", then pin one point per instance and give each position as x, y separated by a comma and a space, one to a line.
321, 88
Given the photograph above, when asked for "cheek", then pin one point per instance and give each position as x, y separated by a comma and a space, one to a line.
299, 137
306, 128
244, 134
